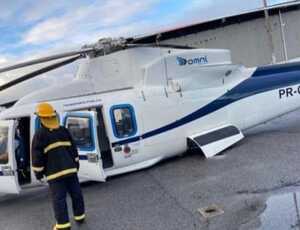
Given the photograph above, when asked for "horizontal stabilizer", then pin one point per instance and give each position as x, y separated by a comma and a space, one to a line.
214, 141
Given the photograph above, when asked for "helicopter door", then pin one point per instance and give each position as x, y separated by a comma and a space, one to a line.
83, 128
8, 167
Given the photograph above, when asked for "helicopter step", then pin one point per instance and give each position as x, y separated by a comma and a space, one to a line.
216, 140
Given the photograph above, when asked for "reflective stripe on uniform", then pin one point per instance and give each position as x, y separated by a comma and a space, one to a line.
62, 226
38, 169
77, 159
56, 145
61, 173
78, 218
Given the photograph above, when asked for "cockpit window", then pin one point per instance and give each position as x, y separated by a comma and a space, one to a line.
123, 119
81, 131
3, 145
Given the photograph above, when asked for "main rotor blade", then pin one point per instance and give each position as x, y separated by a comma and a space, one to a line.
133, 45
45, 59
38, 72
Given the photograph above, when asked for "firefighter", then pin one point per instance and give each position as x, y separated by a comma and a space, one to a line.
55, 156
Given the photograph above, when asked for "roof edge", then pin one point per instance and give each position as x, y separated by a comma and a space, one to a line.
217, 22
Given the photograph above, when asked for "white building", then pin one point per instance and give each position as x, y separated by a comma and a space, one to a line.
246, 35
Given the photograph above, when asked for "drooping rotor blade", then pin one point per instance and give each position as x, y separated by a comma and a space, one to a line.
133, 45
39, 72
45, 59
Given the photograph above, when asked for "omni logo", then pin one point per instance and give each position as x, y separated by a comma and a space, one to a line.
181, 61
192, 61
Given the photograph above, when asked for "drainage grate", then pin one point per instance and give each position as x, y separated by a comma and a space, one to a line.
211, 211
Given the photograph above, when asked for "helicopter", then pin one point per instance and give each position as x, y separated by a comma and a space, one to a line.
133, 105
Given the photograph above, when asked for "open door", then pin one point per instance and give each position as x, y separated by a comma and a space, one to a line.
83, 128
8, 167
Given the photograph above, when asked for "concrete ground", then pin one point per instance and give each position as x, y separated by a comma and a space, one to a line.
250, 183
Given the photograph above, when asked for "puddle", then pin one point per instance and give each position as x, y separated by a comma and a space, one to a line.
282, 212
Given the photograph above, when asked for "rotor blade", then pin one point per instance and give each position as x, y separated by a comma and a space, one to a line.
45, 59
133, 45
38, 72
6, 105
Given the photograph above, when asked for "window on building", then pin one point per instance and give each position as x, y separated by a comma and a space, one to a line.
123, 119
3, 145
81, 131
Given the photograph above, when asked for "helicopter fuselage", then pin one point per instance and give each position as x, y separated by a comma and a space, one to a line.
144, 110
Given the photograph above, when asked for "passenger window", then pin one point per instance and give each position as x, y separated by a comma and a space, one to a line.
123, 119
3, 145
81, 131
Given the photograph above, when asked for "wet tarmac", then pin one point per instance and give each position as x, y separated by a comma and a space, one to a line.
282, 212
253, 185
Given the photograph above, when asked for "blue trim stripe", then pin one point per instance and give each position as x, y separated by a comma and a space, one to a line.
277, 69
83, 157
274, 77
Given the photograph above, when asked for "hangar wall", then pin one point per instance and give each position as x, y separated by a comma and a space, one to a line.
248, 40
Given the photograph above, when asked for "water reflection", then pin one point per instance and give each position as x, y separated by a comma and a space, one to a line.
282, 212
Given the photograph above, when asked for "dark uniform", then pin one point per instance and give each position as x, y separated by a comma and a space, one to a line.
55, 156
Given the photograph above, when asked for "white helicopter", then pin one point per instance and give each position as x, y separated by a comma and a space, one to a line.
133, 105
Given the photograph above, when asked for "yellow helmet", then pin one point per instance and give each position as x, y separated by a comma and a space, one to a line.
47, 115
45, 110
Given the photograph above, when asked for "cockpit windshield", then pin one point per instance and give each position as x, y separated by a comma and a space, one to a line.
3, 145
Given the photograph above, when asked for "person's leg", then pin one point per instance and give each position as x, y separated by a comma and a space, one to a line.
74, 190
58, 190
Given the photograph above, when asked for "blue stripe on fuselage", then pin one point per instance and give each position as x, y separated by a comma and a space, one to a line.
83, 157
263, 79
277, 69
